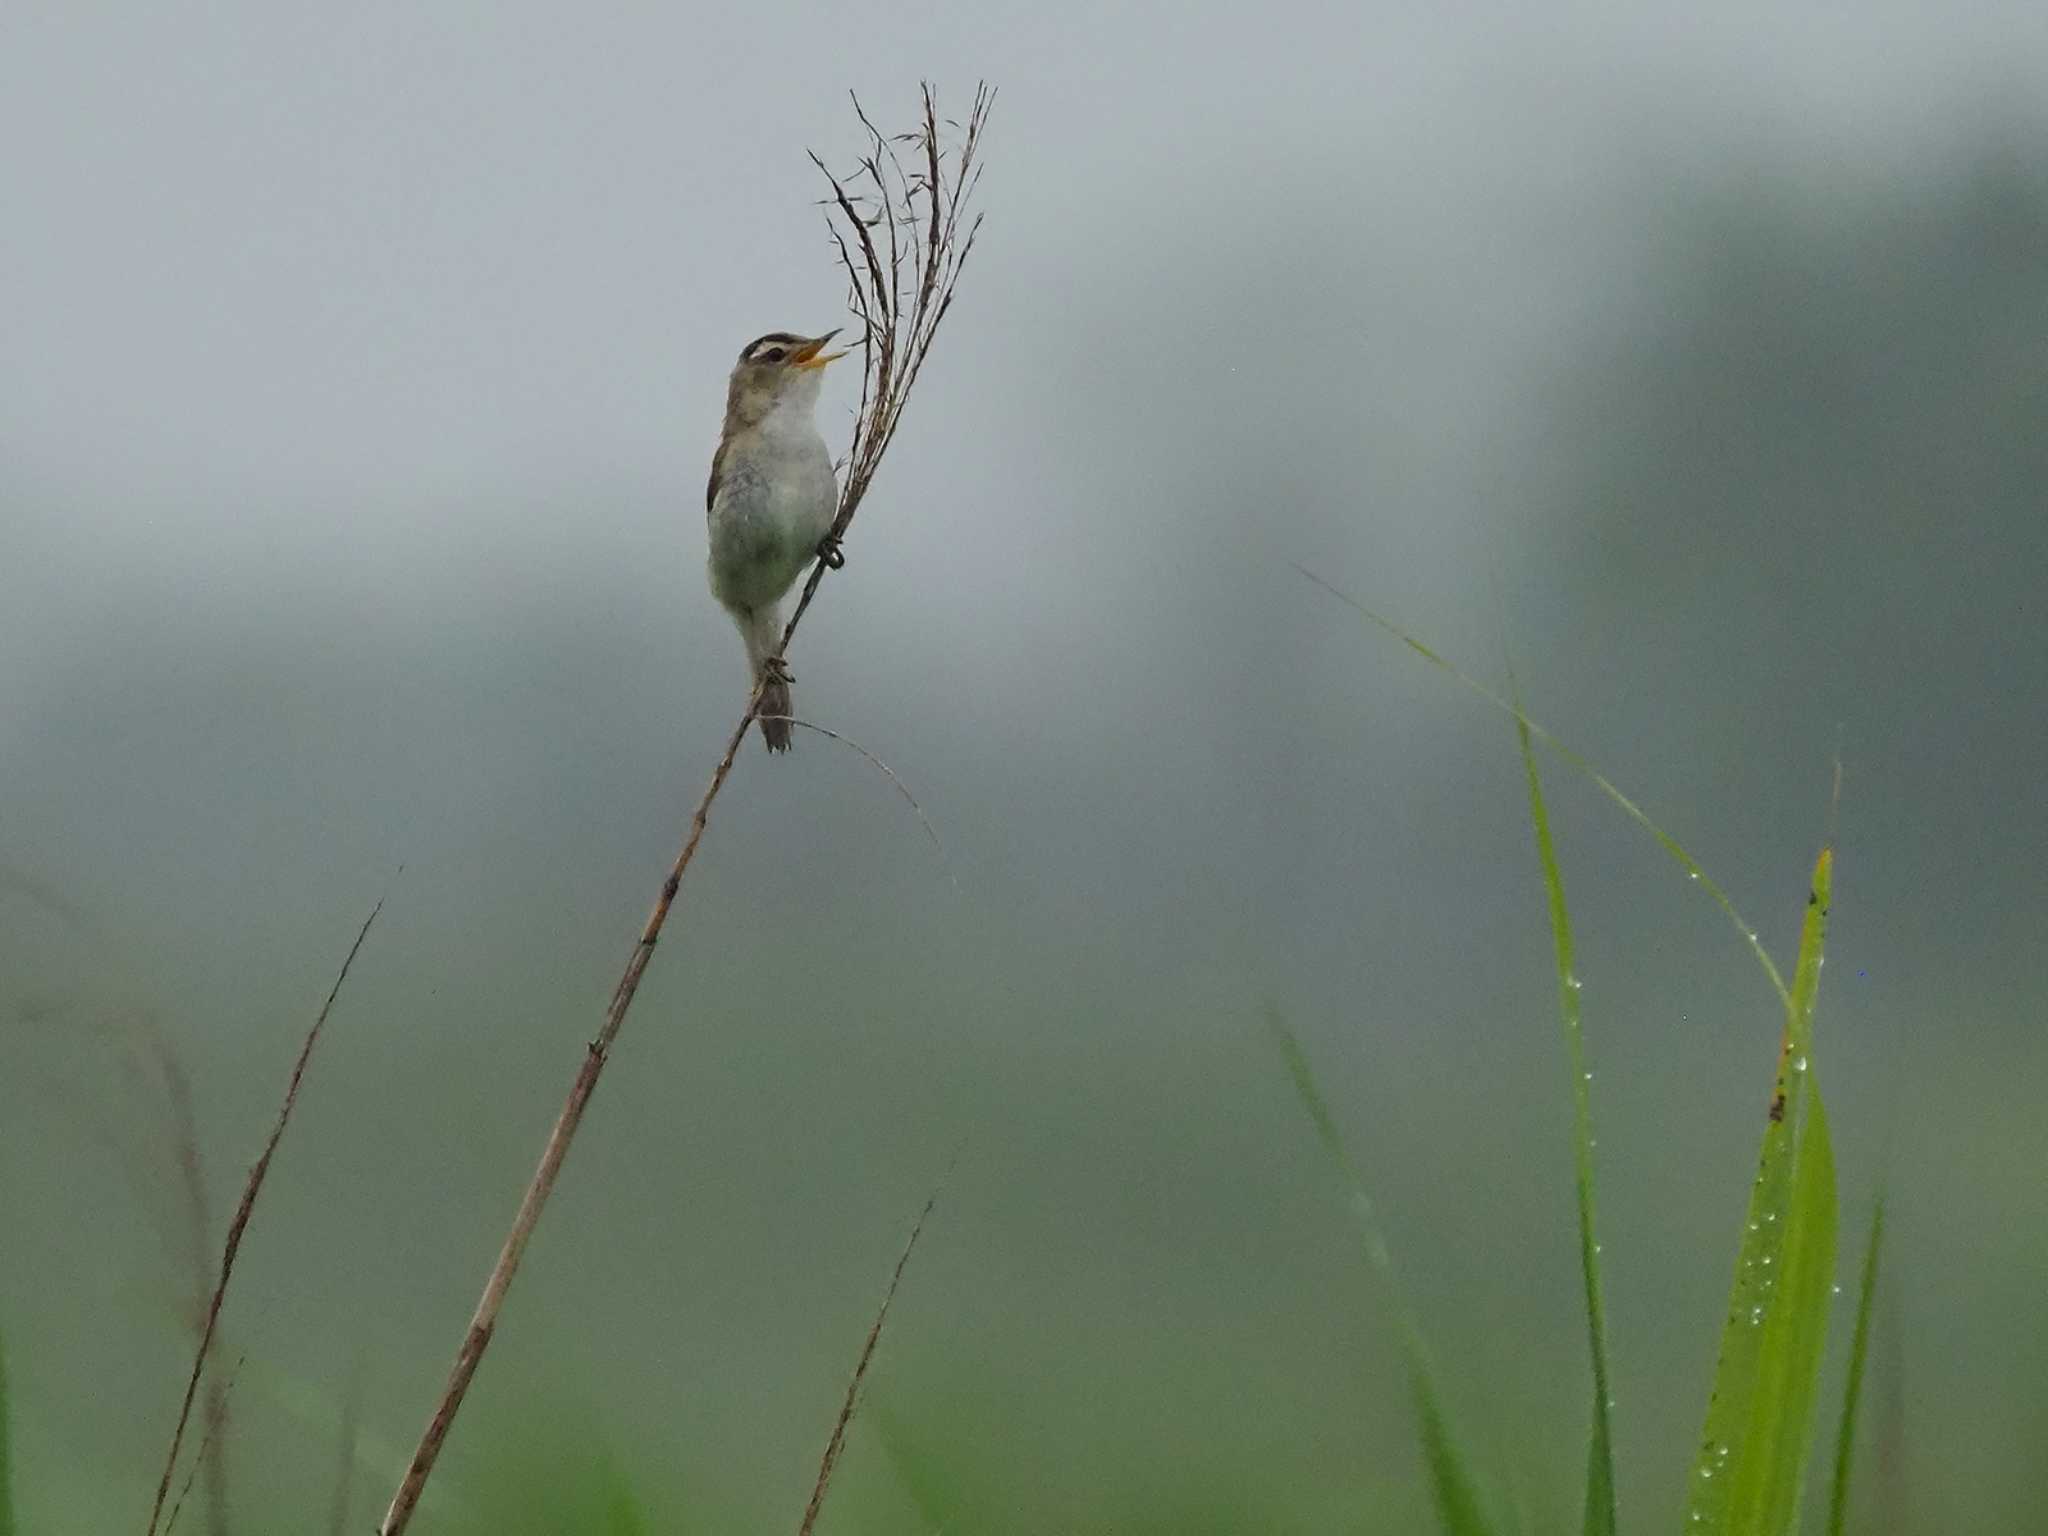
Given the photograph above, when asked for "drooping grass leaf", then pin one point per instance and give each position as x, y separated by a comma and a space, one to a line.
1752, 1460
1457, 1497
1852, 1391
6, 1465
1599, 1513
1578, 762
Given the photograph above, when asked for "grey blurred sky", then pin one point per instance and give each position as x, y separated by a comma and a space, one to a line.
359, 368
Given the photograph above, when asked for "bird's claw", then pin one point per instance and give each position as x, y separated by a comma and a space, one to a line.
830, 552
775, 670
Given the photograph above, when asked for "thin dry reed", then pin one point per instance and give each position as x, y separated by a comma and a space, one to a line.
184, 1134
837, 1442
240, 1224
899, 298
208, 1454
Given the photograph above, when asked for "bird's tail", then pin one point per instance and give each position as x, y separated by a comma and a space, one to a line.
774, 702
762, 629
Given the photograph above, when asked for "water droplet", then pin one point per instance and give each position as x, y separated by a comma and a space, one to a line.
1838, 1290
1752, 935
1589, 1077
1574, 983
1799, 1064
1706, 1471
1692, 874
1767, 1258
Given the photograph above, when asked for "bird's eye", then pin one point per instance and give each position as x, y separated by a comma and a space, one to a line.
773, 355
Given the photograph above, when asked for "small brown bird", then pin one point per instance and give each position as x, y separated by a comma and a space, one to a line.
771, 501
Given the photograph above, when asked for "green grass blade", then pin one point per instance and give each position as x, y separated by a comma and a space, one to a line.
1576, 761
1852, 1391
1759, 1424
1450, 1479
1600, 1513
6, 1466
1459, 1507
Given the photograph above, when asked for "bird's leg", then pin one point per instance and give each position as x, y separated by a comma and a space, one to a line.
830, 552
775, 670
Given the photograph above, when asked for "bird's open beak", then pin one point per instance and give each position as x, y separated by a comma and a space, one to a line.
812, 354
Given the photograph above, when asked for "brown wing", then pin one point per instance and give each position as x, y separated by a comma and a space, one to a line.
717, 474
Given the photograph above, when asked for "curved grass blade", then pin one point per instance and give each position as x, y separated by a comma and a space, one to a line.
1605, 785
1852, 1391
1600, 1512
1752, 1461
1458, 1504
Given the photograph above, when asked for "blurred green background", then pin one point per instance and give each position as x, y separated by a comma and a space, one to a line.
362, 371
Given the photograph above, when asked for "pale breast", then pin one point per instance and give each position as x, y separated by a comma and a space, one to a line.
775, 500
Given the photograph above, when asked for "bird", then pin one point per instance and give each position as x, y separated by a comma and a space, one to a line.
771, 502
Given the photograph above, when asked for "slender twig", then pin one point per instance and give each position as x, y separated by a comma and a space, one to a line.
872, 299
184, 1134
902, 789
243, 1211
209, 1447
837, 1442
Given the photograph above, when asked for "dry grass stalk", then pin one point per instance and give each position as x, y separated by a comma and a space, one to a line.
209, 1448
899, 301
240, 1224
837, 1443
184, 1133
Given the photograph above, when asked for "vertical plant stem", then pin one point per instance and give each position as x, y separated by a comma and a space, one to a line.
1852, 1391
240, 1224
484, 1321
1600, 1512
837, 1442
892, 352
184, 1130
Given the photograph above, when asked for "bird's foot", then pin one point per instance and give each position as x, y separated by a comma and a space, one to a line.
830, 552
775, 670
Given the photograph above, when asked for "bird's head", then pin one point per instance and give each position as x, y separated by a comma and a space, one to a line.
777, 369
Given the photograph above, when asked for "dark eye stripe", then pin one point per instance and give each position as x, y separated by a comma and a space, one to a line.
756, 350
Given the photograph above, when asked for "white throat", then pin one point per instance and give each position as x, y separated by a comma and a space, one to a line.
794, 410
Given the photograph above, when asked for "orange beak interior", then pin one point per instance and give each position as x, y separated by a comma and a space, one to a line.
812, 354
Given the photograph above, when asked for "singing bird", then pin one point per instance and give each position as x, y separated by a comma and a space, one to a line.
771, 502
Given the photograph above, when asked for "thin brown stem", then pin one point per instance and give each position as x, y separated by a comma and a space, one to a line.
184, 1134
209, 1448
240, 1224
872, 285
837, 1442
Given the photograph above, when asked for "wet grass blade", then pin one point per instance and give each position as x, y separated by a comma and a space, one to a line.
1458, 1504
1599, 1512
1752, 1461
1580, 764
1852, 1391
